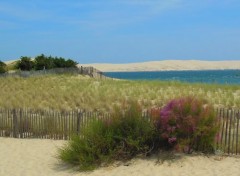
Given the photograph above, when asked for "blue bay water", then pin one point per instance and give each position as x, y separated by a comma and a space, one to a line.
209, 76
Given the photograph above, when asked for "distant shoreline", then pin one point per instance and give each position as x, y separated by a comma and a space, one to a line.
173, 70
164, 65
167, 65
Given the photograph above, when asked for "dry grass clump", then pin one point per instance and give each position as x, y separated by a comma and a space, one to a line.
65, 92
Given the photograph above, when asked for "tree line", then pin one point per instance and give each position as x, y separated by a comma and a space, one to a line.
40, 62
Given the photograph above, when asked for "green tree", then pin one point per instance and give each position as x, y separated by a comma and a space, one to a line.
25, 63
43, 62
59, 62
3, 67
62, 63
70, 63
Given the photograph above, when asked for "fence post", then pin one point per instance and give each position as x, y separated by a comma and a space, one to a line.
91, 72
15, 124
79, 116
81, 71
21, 124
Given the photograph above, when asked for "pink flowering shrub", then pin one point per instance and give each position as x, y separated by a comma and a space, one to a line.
186, 124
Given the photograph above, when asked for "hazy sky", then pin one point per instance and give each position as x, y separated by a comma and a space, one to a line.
120, 31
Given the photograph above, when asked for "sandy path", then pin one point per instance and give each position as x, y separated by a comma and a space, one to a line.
36, 157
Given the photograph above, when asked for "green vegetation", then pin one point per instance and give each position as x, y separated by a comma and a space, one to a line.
121, 137
3, 67
187, 124
25, 64
43, 62
127, 134
67, 92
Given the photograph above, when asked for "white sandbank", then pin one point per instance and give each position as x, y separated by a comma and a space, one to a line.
37, 157
167, 65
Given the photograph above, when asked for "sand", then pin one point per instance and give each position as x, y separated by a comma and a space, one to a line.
163, 65
167, 65
37, 157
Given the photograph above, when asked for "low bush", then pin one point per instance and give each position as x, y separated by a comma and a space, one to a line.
187, 124
25, 64
123, 136
183, 124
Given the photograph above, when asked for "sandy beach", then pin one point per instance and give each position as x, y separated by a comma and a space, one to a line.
37, 157
167, 65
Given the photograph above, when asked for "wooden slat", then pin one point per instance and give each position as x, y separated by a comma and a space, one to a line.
14, 123
226, 131
62, 119
229, 131
51, 128
219, 122
24, 122
55, 124
238, 116
81, 121
30, 119
65, 129
21, 123
1, 123
222, 128
10, 122
34, 123
233, 131
78, 123
39, 124
45, 127
60, 125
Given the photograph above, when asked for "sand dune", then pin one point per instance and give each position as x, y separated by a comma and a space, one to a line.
168, 65
36, 157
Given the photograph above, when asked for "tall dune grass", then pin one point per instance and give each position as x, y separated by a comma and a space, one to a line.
65, 92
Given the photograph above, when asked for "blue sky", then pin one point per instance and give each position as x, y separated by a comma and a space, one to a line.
121, 31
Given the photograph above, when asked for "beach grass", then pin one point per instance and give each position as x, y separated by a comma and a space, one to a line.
68, 92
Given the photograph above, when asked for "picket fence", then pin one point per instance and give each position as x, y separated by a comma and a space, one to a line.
50, 124
90, 71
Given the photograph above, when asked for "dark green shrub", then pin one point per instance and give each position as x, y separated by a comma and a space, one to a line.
121, 137
70, 63
49, 62
62, 63
43, 62
25, 64
187, 124
3, 67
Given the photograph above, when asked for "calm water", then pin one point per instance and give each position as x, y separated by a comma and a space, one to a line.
210, 76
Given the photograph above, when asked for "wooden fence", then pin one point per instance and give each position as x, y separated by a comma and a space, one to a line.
90, 71
27, 123
229, 137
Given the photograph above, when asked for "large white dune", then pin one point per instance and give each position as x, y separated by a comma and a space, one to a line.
167, 65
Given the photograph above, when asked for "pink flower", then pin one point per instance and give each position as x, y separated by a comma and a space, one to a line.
172, 140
